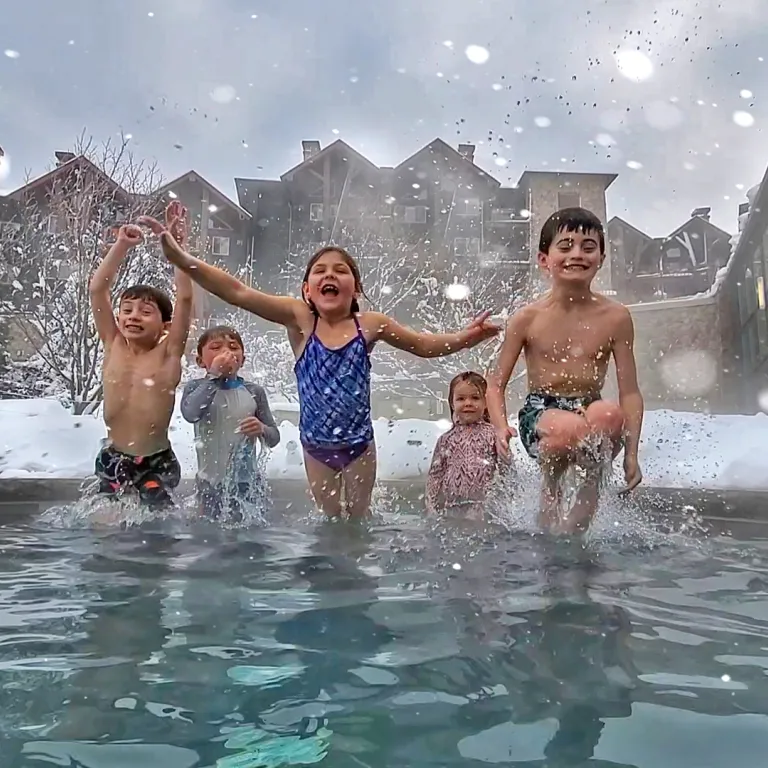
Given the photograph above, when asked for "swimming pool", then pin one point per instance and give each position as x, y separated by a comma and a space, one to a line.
334, 644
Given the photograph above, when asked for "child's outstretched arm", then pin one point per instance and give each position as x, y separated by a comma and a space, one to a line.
100, 286
383, 328
283, 310
630, 399
499, 376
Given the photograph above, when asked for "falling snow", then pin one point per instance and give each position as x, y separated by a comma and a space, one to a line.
223, 94
743, 119
477, 54
634, 65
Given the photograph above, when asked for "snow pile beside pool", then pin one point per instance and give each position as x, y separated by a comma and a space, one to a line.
679, 450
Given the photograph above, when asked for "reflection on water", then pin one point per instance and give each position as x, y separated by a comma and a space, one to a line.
185, 647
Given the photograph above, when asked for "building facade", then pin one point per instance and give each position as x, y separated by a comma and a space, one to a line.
743, 303
683, 263
437, 205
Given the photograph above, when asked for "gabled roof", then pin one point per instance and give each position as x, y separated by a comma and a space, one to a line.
445, 149
703, 222
70, 165
337, 145
608, 178
207, 184
627, 225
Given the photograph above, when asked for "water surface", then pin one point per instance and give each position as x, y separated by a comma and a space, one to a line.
182, 647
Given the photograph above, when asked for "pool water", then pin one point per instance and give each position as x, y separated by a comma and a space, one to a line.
180, 646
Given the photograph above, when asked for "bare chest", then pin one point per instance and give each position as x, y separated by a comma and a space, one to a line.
150, 374
560, 341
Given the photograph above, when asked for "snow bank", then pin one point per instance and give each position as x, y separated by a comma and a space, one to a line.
679, 450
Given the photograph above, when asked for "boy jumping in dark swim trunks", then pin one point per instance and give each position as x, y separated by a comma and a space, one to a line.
568, 338
143, 348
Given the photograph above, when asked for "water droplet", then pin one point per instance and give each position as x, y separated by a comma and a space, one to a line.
223, 94
634, 65
634, 165
149, 382
745, 93
542, 122
477, 54
743, 119
457, 292
726, 678
12, 54
525, 213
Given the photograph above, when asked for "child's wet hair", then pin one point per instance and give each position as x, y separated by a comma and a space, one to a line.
151, 295
571, 220
216, 332
348, 260
469, 377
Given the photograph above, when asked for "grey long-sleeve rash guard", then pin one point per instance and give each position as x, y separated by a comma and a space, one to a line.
216, 406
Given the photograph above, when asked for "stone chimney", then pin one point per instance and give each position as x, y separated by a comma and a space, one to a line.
310, 149
64, 157
701, 213
468, 151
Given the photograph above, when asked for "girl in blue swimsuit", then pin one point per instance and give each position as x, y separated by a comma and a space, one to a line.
332, 339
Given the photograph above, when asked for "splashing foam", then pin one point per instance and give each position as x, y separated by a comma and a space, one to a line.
542, 122
477, 54
634, 165
12, 54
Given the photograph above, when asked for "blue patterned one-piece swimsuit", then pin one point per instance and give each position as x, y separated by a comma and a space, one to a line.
335, 400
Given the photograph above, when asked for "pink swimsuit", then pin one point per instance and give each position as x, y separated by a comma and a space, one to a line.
463, 466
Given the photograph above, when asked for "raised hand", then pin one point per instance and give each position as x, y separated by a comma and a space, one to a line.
480, 329
176, 222
130, 234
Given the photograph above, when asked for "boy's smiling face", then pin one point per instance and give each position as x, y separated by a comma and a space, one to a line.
573, 257
140, 321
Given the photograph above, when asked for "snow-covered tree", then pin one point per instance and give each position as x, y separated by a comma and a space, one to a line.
66, 221
425, 290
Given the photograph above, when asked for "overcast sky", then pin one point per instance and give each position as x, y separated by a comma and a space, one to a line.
231, 87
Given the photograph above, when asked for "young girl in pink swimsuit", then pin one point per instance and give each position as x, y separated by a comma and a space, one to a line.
464, 462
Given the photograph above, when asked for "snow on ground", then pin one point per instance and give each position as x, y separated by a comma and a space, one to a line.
40, 439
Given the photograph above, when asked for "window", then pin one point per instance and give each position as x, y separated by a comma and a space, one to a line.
466, 246
316, 212
416, 214
53, 225
468, 207
220, 246
568, 199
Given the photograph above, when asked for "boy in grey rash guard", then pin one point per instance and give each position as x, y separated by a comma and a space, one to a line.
229, 415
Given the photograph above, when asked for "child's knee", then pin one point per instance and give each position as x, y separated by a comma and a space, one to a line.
561, 432
606, 418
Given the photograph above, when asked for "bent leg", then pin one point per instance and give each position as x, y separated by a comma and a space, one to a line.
359, 478
606, 419
325, 485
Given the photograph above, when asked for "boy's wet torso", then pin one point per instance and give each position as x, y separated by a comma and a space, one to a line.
139, 394
567, 351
